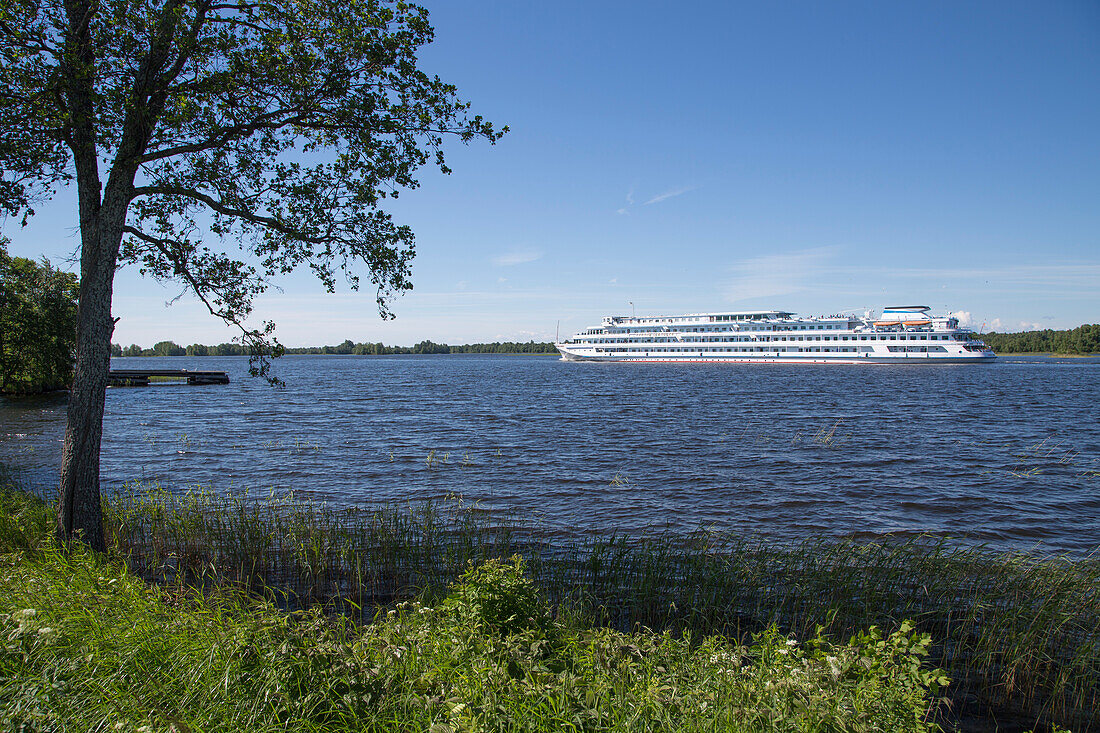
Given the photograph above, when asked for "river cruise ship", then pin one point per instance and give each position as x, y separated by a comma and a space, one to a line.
902, 334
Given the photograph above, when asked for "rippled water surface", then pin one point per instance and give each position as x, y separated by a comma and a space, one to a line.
1005, 453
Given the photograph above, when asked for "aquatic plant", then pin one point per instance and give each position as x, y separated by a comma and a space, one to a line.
1017, 631
89, 646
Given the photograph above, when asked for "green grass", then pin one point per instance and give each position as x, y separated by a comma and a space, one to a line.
1017, 632
87, 645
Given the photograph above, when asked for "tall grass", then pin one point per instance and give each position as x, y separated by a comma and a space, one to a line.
1016, 631
88, 646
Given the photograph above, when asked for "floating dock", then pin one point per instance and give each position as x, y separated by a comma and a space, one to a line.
142, 377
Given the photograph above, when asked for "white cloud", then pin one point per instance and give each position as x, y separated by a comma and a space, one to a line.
780, 274
1002, 326
613, 281
965, 318
629, 203
517, 257
672, 193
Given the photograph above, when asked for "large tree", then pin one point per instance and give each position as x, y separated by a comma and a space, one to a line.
278, 126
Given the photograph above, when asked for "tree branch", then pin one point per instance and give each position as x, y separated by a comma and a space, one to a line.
268, 121
257, 341
266, 221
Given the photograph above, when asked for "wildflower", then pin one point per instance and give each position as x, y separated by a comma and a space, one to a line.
792, 642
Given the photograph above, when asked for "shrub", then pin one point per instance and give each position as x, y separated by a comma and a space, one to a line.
497, 595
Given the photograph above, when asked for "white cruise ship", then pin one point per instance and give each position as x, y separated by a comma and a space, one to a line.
903, 334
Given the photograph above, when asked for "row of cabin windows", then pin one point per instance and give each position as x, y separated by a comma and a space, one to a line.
799, 327
804, 327
917, 348
751, 317
882, 337
786, 349
924, 337
885, 337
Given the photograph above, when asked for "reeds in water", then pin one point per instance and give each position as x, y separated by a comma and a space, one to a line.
1016, 631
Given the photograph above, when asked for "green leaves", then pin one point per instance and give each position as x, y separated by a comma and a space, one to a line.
497, 596
278, 127
37, 325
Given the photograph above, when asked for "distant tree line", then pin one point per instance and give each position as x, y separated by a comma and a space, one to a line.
170, 348
1081, 340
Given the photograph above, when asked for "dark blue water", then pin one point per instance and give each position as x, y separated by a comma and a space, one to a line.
1006, 454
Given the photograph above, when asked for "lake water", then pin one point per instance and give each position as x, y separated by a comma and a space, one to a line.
1006, 454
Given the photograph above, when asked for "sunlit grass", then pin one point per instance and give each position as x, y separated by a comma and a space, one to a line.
1015, 631
89, 646
1018, 630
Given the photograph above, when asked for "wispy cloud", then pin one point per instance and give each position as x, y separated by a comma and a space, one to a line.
629, 202
778, 274
517, 257
672, 193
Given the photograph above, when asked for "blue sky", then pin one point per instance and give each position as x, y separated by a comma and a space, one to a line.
805, 156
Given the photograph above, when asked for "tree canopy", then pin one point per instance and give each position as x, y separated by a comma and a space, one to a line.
279, 126
1085, 339
217, 144
37, 325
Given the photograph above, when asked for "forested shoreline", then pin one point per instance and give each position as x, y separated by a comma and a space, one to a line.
348, 347
1084, 339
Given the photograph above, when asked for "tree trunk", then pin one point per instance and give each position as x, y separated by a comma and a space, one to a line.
80, 514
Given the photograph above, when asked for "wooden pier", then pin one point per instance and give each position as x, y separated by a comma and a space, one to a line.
141, 377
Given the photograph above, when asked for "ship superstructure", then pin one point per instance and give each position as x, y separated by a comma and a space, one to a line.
907, 334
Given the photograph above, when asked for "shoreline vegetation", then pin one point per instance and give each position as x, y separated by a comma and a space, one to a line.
400, 618
37, 325
1081, 341
169, 348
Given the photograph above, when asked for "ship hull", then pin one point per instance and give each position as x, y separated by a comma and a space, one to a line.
567, 355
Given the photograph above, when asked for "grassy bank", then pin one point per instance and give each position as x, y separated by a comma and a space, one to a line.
87, 645
1016, 632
